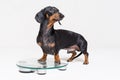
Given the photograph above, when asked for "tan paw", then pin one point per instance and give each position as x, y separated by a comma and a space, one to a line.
86, 62
42, 60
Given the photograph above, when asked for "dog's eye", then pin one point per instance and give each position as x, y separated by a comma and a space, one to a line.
49, 14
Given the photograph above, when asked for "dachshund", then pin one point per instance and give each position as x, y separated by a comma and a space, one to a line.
52, 41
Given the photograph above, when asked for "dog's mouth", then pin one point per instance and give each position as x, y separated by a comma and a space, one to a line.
61, 16
58, 20
57, 17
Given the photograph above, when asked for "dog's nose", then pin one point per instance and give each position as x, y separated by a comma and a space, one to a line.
61, 15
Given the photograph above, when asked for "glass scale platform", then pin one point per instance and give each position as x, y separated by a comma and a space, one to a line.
32, 65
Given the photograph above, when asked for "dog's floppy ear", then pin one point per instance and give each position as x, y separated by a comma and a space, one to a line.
40, 16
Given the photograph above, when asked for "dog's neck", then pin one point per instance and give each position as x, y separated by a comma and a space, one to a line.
46, 28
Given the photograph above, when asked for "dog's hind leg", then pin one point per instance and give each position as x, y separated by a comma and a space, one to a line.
71, 58
83, 48
86, 58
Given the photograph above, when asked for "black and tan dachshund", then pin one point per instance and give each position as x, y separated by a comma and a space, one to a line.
51, 40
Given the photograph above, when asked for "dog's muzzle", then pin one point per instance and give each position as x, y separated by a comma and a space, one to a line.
61, 17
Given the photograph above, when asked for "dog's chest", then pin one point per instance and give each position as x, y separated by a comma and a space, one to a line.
46, 41
47, 44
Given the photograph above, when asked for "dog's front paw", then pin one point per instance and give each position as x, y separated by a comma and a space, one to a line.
86, 62
41, 60
57, 62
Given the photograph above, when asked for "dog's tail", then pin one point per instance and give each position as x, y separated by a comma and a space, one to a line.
77, 56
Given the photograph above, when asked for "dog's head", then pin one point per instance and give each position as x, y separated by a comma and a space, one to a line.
50, 13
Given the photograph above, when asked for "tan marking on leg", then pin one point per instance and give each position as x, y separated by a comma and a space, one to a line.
43, 59
39, 43
51, 44
86, 59
57, 58
71, 58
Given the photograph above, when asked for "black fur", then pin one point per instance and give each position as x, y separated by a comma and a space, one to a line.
63, 39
